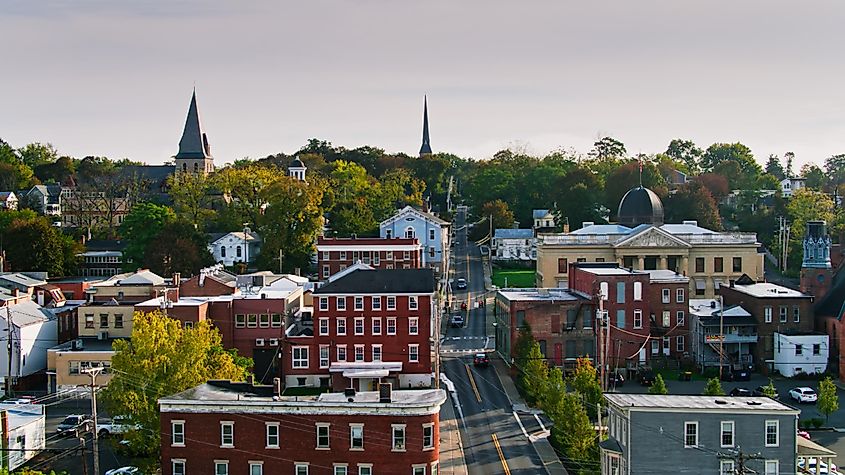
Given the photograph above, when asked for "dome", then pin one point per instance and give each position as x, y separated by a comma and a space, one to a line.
296, 163
640, 206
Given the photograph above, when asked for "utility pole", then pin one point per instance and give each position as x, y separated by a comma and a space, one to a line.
82, 452
602, 350
721, 334
93, 372
10, 330
740, 459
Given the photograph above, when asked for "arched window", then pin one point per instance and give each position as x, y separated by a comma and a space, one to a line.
222, 251
410, 233
238, 251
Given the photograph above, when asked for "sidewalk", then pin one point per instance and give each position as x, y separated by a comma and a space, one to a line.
451, 447
543, 446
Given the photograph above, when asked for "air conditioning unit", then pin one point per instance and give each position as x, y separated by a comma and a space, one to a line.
259, 342
274, 342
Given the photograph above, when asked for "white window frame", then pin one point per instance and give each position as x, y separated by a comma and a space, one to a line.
771, 467
679, 295
680, 344
327, 427
419, 469
796, 314
428, 444
342, 256
324, 326
359, 303
375, 303
726, 467
340, 326
413, 353
340, 469
365, 469
341, 353
358, 326
391, 322
413, 302
722, 431
776, 424
377, 352
391, 302
267, 435
256, 463
376, 325
240, 320
360, 352
638, 291
413, 326
300, 468
324, 304
223, 436
218, 464
174, 442
325, 356
767, 314
688, 424
393, 439
680, 318
352, 428
340, 303
177, 462
638, 318
297, 359
783, 313
666, 296
326, 271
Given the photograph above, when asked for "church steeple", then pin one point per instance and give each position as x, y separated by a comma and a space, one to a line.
425, 149
194, 151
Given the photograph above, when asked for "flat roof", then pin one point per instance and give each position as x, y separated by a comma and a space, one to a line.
698, 403
609, 270
88, 344
665, 275
549, 294
769, 290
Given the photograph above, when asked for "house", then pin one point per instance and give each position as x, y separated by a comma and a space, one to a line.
23, 282
658, 434
337, 254
8, 200
224, 427
210, 281
67, 361
642, 241
668, 302
431, 231
797, 354
721, 337
89, 208
23, 433
369, 326
562, 321
544, 221
32, 330
130, 287
102, 258
234, 247
788, 186
46, 199
514, 245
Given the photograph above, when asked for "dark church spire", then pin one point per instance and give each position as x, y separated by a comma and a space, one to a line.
194, 143
426, 143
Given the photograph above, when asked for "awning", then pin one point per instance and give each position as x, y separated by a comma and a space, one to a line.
365, 373
700, 284
808, 448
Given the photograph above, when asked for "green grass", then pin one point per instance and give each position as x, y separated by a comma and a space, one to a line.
515, 277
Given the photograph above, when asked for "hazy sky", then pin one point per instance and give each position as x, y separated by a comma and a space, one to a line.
114, 78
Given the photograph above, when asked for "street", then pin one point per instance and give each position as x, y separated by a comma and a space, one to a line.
496, 438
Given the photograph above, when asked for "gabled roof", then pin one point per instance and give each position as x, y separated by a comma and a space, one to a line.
194, 143
239, 235
513, 234
26, 313
540, 213
20, 278
7, 195
382, 281
648, 235
141, 277
411, 210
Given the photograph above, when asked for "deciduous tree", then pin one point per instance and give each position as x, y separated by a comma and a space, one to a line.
658, 387
585, 382
36, 245
714, 388
178, 247
685, 151
693, 201
828, 402
140, 228
190, 194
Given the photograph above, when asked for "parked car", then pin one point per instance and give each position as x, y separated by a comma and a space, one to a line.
817, 467
462, 283
736, 375
117, 426
18, 401
615, 379
804, 434
457, 321
761, 391
803, 394
740, 392
128, 470
645, 376
480, 359
73, 424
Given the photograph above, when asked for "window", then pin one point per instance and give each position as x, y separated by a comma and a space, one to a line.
365, 469
699, 264
413, 353
587, 317
256, 468
620, 292
324, 326
377, 326
222, 251
418, 469
718, 264
413, 326
782, 310
799, 349
356, 436
772, 429
341, 469
324, 303
428, 436
326, 271
726, 467
341, 326
737, 264
409, 233
817, 349
359, 325
391, 302
376, 303
89, 320
221, 467
324, 356
638, 318
604, 290
412, 302
178, 466
377, 352
638, 291
666, 296
359, 303
238, 251
680, 318
301, 468
276, 320
272, 435
264, 320
341, 352
326, 256
252, 320
322, 436
620, 318
177, 433
772, 467
690, 434
727, 439
342, 255
104, 320
341, 303
398, 437
118, 320
562, 265
767, 313
655, 347
431, 234
680, 343
667, 318
359, 352
679, 296
796, 314
391, 325
300, 357
227, 434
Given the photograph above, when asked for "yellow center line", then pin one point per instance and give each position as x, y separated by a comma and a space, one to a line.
501, 455
472, 383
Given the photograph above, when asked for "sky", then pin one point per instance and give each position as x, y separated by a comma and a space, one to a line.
114, 78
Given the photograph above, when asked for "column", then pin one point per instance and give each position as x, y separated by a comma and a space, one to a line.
684, 265
663, 264
640, 262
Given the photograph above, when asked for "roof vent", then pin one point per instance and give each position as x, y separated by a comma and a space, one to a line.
349, 392
691, 222
721, 401
712, 304
587, 224
753, 403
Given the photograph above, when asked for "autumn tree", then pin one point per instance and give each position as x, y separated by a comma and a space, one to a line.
734, 161
585, 382
693, 201
161, 359
716, 184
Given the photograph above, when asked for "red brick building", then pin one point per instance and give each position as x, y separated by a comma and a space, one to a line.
561, 321
369, 326
337, 254
668, 300
210, 281
227, 428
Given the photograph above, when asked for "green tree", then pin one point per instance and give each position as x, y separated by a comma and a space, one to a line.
774, 167
828, 402
58, 172
523, 343
659, 386
573, 433
178, 247
353, 195
14, 173
769, 390
627, 176
36, 245
608, 147
713, 388
806, 205
685, 151
242, 188
190, 194
834, 168
534, 373
693, 201
814, 177
502, 218
585, 382
35, 154
163, 358
140, 228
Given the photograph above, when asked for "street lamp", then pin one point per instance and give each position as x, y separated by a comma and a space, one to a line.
496, 335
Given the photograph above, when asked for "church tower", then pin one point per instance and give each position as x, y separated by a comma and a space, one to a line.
816, 269
194, 152
426, 143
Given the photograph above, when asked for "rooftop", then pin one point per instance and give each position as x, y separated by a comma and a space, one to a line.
88, 344
606, 269
364, 281
366, 241
540, 213
550, 294
26, 313
609, 234
767, 290
22, 278
665, 275
513, 234
698, 403
141, 277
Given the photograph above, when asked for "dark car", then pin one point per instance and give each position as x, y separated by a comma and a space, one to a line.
457, 321
645, 376
480, 359
615, 379
740, 392
462, 283
761, 391
73, 424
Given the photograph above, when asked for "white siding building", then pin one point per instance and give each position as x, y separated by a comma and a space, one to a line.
796, 354
234, 247
25, 438
34, 330
514, 245
431, 231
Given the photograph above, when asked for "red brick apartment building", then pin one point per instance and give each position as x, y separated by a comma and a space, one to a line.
227, 428
369, 326
337, 254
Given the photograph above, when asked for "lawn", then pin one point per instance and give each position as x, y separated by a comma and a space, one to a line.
515, 277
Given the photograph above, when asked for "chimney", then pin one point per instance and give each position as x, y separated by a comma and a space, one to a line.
384, 392
732, 283
16, 293
277, 387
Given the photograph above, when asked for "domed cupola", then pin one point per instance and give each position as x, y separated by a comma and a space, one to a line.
640, 206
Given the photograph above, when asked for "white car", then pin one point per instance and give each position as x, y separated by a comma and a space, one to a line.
803, 394
817, 467
124, 471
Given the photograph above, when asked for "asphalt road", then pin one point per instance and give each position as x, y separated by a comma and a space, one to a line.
494, 442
